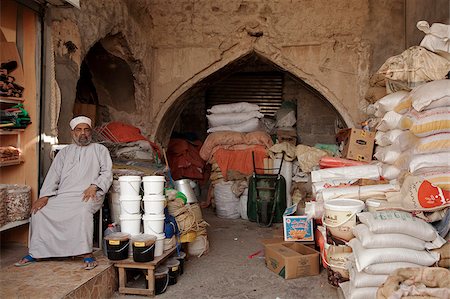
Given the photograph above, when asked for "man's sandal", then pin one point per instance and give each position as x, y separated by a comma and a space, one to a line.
25, 261
90, 263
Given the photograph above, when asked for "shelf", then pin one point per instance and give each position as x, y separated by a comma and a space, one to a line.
14, 224
5, 131
12, 162
11, 100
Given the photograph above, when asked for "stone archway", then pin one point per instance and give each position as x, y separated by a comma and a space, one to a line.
172, 107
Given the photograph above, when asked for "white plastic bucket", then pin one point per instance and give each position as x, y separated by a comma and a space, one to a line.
159, 244
340, 217
153, 224
154, 204
130, 185
130, 224
153, 184
130, 205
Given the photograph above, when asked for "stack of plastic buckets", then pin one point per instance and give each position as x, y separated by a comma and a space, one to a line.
154, 203
130, 204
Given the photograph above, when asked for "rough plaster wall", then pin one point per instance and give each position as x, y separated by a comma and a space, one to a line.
302, 38
315, 118
97, 20
334, 46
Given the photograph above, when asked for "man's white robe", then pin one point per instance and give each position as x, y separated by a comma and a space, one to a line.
65, 226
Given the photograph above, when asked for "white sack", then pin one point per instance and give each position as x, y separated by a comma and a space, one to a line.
366, 257
371, 172
433, 144
364, 280
285, 118
243, 204
431, 95
390, 121
387, 154
389, 102
398, 222
223, 119
390, 172
427, 122
319, 186
437, 38
250, 125
233, 108
388, 268
359, 192
387, 138
357, 293
227, 204
429, 161
370, 240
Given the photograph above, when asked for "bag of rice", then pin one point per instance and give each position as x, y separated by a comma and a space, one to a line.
398, 222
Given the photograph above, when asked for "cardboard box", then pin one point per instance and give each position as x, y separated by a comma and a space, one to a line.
292, 260
297, 227
358, 144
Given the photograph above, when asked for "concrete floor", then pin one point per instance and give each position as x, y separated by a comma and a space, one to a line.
227, 272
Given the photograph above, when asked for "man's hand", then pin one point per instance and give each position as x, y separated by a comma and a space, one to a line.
39, 204
90, 193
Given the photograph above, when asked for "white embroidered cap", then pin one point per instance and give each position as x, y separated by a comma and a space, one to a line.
80, 120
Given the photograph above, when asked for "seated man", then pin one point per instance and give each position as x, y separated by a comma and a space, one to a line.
62, 221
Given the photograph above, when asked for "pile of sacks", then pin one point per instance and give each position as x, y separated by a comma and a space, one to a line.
384, 242
237, 117
414, 135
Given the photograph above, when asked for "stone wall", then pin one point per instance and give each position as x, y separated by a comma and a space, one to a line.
175, 46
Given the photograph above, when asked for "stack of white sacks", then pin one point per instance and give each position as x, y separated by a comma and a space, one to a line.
429, 120
414, 135
338, 205
238, 117
386, 241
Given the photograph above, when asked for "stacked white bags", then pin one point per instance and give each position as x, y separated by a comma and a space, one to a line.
238, 117
154, 204
430, 121
392, 139
386, 241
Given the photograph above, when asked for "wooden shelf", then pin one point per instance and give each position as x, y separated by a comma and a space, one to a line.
11, 100
12, 162
6, 131
14, 224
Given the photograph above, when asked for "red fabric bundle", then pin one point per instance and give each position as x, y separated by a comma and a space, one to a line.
184, 159
240, 160
333, 162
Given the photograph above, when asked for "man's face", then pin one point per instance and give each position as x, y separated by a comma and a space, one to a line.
82, 134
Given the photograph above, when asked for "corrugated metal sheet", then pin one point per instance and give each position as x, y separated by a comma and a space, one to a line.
263, 88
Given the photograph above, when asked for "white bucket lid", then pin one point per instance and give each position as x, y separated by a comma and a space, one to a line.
130, 216
129, 197
153, 217
130, 178
345, 204
154, 197
154, 178
373, 203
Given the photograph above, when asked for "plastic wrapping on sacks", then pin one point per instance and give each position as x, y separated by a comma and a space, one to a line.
286, 172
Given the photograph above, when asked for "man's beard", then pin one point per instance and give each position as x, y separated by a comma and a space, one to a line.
83, 140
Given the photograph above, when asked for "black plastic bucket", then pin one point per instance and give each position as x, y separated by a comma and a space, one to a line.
161, 279
181, 258
143, 248
174, 270
117, 245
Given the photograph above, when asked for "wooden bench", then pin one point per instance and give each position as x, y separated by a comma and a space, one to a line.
123, 265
